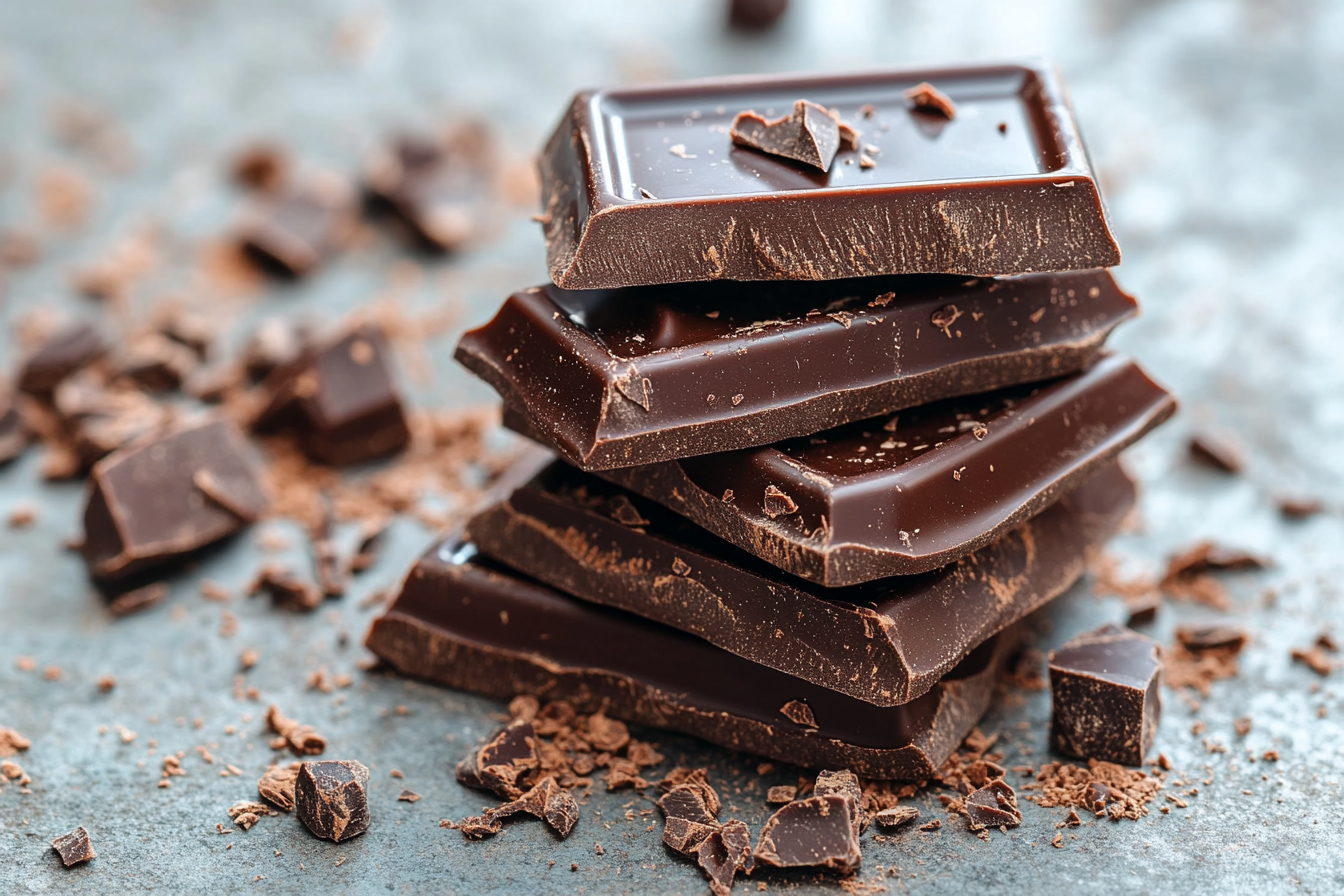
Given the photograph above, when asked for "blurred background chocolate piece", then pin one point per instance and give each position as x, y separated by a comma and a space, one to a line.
144, 507
297, 229
276, 341
13, 433
1217, 451
261, 166
341, 400
59, 355
756, 15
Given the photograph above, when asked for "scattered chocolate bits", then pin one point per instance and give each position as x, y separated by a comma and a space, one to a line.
1105, 702
246, 813
74, 847
811, 134
329, 798
1127, 793
302, 740
340, 399
924, 97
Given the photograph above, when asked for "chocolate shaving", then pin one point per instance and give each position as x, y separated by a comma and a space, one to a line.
302, 740
799, 713
810, 134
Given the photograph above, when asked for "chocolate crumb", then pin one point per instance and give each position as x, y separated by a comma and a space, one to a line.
777, 503
74, 847
139, 599
408, 796
924, 97
1298, 507
810, 134
302, 740
246, 813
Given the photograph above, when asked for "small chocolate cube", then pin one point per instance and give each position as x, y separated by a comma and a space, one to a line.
341, 399
329, 798
74, 847
169, 495
1105, 698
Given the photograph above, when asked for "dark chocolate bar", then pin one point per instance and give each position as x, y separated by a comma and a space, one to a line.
466, 622
910, 493
611, 378
643, 185
884, 642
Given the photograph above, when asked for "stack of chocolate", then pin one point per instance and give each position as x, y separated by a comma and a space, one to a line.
822, 358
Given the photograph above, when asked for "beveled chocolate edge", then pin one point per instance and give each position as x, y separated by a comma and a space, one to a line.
417, 647
610, 434
730, 230
812, 556
741, 605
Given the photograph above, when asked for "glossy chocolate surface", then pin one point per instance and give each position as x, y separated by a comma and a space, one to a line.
612, 378
642, 185
466, 622
884, 642
909, 493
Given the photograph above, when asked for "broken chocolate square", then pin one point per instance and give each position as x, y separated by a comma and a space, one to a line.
341, 399
723, 854
330, 799
811, 833
293, 231
74, 847
810, 134
509, 754
992, 806
1105, 702
60, 354
146, 507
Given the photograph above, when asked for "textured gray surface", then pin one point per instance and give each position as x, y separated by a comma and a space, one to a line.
1216, 128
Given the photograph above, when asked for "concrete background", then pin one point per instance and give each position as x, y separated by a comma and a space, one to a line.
1215, 126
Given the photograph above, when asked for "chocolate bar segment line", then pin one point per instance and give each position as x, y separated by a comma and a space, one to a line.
613, 378
468, 623
911, 493
884, 642
642, 185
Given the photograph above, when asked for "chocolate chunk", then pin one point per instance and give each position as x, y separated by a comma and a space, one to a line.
924, 97
756, 15
287, 590
1217, 451
329, 798
74, 847
896, 816
784, 793
810, 135
498, 765
992, 806
762, 368
696, 779
144, 505
463, 621
844, 783
977, 201
1105, 702
138, 599
13, 433
953, 487
302, 740
277, 785
341, 398
294, 230
811, 833
438, 190
685, 836
1212, 634
260, 167
60, 354
155, 363
687, 801
722, 854
561, 811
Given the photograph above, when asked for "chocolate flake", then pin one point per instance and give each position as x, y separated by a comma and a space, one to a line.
783, 793
777, 503
59, 355
277, 785
302, 740
246, 813
329, 798
506, 757
287, 590
1206, 635
722, 854
799, 713
139, 599
924, 97
809, 135
843, 783
74, 847
896, 816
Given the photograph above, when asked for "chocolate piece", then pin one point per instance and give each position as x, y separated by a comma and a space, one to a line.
341, 398
907, 495
811, 833
756, 15
885, 642
275, 342
1142, 608
260, 167
497, 766
277, 785
685, 836
74, 847
302, 740
844, 783
959, 198
1207, 556
1217, 451
1294, 507
611, 378
784, 793
145, 507
1105, 701
60, 354
1096, 795
13, 433
810, 135
1211, 634
687, 802
546, 800
329, 798
992, 806
155, 363
138, 599
287, 590
924, 97
292, 231
438, 190
722, 854
468, 623
896, 816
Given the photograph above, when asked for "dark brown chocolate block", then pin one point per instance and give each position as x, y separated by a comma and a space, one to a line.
907, 494
884, 642
60, 354
74, 847
611, 378
468, 623
168, 495
643, 185
329, 798
341, 398
1105, 700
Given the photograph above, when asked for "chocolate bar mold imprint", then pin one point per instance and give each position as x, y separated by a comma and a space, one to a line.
884, 642
642, 185
613, 378
907, 494
466, 622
